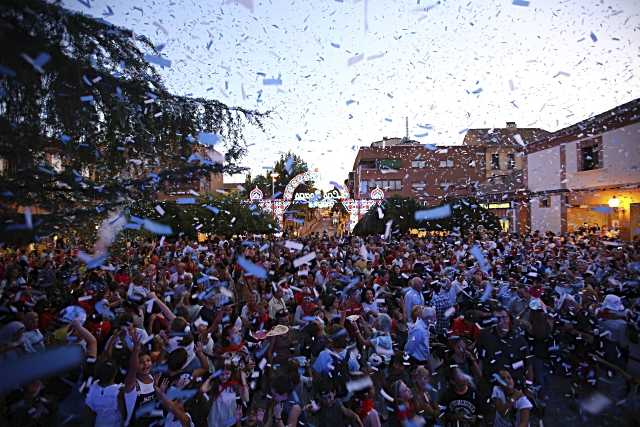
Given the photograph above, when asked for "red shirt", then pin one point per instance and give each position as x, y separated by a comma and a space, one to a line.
122, 278
405, 412
351, 308
100, 330
45, 319
462, 328
535, 291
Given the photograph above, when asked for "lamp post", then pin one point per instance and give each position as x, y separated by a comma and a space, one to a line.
274, 175
614, 202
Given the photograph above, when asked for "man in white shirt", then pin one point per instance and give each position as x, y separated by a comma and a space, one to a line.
180, 274
276, 303
413, 296
103, 397
322, 275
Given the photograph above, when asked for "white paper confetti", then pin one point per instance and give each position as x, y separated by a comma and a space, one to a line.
434, 213
304, 259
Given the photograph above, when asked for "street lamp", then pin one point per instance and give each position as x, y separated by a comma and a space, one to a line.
614, 202
274, 175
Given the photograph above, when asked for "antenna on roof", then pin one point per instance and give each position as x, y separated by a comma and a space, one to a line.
406, 123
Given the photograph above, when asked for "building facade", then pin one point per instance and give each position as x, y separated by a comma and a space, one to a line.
588, 175
405, 168
209, 184
503, 188
490, 165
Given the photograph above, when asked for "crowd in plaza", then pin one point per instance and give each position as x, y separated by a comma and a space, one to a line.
319, 331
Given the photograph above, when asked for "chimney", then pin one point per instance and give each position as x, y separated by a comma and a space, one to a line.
511, 125
406, 123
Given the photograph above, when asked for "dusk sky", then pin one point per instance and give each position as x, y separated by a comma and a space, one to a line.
352, 70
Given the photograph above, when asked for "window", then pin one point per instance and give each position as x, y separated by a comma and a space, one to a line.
418, 164
545, 202
511, 161
395, 185
368, 164
4, 166
418, 186
446, 163
481, 161
372, 184
389, 163
363, 187
590, 155
495, 161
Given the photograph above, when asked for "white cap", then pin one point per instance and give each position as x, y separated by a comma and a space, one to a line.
613, 303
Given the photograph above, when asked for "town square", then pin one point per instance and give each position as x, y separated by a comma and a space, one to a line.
361, 213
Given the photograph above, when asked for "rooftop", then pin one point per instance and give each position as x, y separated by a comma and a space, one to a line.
392, 142
615, 118
510, 136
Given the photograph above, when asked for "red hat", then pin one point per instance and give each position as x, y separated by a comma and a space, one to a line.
535, 291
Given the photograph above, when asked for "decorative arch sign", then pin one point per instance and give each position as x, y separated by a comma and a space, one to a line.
356, 208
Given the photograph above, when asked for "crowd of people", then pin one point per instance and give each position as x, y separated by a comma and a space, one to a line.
450, 330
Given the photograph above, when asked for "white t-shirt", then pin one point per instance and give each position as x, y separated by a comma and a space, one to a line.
223, 409
171, 421
175, 277
373, 307
33, 341
518, 405
104, 402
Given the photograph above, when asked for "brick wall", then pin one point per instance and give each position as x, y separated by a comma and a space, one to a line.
427, 175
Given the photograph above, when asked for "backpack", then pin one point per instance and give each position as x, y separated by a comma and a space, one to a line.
340, 374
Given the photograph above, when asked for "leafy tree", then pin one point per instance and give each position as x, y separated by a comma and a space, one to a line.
287, 167
466, 215
399, 209
87, 125
219, 215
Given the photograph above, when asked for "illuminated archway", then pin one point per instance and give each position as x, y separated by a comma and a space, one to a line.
355, 208
296, 181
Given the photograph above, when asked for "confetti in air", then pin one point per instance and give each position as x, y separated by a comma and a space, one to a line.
433, 214
208, 138
32, 366
304, 259
251, 268
153, 147
273, 81
158, 60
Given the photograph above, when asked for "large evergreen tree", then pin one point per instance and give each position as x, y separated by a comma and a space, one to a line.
81, 91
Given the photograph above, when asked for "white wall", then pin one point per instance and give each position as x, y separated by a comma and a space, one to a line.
543, 170
621, 160
546, 219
